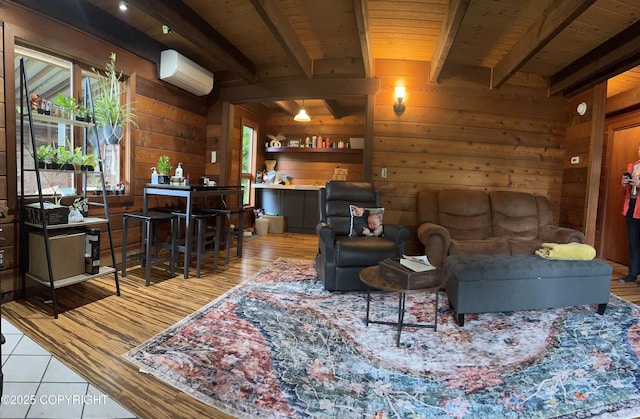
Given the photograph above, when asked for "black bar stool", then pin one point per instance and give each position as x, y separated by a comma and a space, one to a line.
206, 240
231, 238
150, 243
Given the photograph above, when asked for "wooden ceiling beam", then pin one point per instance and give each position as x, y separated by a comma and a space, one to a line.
334, 108
616, 55
448, 33
279, 25
553, 20
300, 89
191, 26
97, 22
360, 10
289, 106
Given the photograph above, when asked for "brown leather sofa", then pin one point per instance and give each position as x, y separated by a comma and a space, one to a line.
466, 222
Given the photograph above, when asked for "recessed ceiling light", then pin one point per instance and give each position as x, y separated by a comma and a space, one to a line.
123, 6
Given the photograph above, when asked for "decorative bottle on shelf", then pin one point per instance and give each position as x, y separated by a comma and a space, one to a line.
320, 141
154, 176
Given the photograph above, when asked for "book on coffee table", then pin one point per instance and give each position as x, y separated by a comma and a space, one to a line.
417, 263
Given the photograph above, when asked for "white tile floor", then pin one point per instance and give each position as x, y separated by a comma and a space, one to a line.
37, 385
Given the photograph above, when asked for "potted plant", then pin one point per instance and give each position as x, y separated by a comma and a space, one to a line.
82, 205
90, 160
164, 168
110, 114
46, 155
83, 114
77, 158
68, 104
63, 158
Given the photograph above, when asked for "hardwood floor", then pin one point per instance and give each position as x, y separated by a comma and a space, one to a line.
95, 327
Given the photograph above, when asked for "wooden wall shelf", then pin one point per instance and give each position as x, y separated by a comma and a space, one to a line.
313, 150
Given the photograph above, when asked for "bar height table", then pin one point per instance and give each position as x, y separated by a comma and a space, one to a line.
190, 193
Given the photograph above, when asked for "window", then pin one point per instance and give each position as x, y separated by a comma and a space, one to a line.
46, 77
49, 76
249, 141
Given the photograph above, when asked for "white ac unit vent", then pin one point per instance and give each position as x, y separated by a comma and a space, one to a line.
180, 71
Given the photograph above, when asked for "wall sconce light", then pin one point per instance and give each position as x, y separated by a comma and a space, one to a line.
123, 6
302, 115
398, 106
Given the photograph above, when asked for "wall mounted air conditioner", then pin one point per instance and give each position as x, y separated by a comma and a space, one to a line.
180, 71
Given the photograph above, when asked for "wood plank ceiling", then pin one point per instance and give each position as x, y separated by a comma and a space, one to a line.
572, 44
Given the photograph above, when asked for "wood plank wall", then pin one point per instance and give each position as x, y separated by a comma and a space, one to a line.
6, 224
574, 193
315, 168
214, 136
3, 131
460, 134
171, 122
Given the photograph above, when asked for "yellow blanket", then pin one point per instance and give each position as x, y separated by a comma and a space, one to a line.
568, 251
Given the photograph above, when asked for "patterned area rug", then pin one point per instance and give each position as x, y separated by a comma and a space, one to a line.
279, 346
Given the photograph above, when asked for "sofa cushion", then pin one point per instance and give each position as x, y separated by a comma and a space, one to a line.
490, 246
364, 251
427, 206
514, 214
524, 247
545, 212
465, 213
339, 196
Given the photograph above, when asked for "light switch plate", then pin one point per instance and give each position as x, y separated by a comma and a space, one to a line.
575, 160
213, 157
383, 173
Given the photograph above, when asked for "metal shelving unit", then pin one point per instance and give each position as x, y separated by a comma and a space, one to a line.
27, 120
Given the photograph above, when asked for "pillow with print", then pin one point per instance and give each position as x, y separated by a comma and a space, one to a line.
366, 221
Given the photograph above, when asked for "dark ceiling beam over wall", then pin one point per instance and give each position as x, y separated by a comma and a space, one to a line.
553, 20
279, 25
335, 109
93, 20
300, 89
618, 54
448, 32
360, 10
191, 26
289, 106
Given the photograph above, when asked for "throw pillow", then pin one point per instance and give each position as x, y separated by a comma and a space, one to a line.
366, 221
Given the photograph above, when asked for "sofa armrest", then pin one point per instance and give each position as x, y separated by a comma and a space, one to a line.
555, 234
436, 240
398, 234
326, 235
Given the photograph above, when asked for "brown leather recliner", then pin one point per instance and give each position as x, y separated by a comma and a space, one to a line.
462, 221
340, 257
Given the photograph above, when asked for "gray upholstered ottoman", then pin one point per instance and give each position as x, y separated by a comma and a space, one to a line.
491, 283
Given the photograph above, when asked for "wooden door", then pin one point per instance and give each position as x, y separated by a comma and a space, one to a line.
624, 149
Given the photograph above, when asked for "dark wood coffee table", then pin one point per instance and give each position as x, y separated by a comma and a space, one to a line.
375, 282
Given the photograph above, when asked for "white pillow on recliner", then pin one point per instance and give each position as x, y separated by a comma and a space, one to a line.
366, 221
